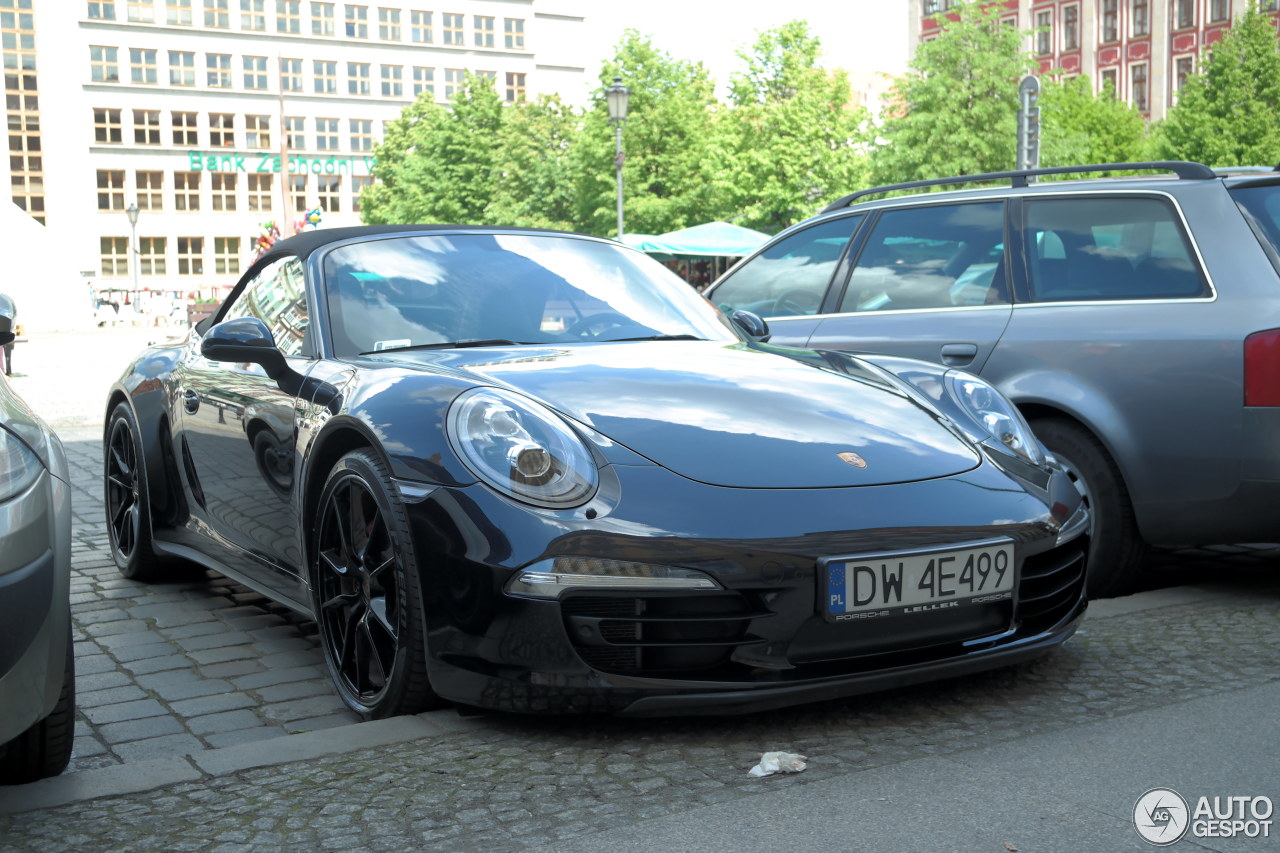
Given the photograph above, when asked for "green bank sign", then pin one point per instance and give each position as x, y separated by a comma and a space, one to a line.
200, 161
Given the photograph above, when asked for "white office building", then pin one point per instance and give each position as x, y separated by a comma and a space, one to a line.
178, 107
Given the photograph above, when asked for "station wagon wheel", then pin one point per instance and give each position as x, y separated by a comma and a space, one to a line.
1117, 552
367, 597
125, 496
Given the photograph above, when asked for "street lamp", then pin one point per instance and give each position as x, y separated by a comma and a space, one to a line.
616, 96
132, 212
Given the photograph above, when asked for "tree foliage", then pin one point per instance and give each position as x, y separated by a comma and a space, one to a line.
534, 176
1077, 126
956, 109
1227, 114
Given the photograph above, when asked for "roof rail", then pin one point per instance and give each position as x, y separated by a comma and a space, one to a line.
1184, 169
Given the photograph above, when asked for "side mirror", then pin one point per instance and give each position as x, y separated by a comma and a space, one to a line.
245, 339
753, 324
7, 313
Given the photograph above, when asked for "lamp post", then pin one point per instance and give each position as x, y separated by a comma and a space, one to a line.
132, 212
616, 96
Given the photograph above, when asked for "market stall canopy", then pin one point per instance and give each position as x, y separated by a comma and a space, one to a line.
711, 239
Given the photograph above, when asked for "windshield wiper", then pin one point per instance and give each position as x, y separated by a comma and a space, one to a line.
466, 342
654, 338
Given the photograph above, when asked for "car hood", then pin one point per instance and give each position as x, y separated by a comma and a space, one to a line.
729, 415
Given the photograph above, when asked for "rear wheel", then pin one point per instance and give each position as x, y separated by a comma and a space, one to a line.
44, 749
368, 600
1117, 552
125, 496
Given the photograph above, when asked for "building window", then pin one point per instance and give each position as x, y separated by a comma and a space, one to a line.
327, 189
253, 15
226, 255
389, 24
185, 131
217, 15
1141, 18
151, 255
513, 33
257, 131
321, 19
218, 66
288, 18
113, 256
483, 26
142, 66
110, 189
1044, 33
1184, 14
103, 11
146, 127
452, 27
177, 12
298, 187
295, 129
186, 191
1110, 20
255, 72
361, 134
106, 126
325, 76
150, 187
424, 80
420, 27
358, 183
103, 67
182, 68
1138, 79
1110, 83
1219, 10
326, 134
259, 193
291, 75
357, 18
1183, 67
453, 78
393, 81
1071, 28
357, 78
515, 86
488, 75
190, 256
141, 12
223, 186
222, 133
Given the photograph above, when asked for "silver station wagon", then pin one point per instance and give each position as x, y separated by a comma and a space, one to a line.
1135, 322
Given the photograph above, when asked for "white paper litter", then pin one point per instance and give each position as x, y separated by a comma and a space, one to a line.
778, 762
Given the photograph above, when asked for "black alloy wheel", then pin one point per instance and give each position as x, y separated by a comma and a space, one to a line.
367, 598
125, 497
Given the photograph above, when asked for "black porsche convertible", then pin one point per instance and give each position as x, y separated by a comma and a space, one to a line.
534, 471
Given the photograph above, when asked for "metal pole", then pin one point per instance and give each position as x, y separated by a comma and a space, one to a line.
617, 162
286, 216
137, 259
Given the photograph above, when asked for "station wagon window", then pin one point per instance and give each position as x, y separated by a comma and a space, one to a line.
939, 256
791, 277
278, 297
1261, 207
1108, 248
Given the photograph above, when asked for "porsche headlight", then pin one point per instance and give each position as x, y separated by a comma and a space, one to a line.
1001, 425
19, 466
521, 449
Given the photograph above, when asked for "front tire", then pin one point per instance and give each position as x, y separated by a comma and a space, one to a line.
126, 499
1117, 552
367, 595
44, 749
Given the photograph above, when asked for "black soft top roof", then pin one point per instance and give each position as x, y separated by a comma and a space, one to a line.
306, 242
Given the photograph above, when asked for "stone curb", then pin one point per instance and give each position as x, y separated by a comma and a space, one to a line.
1109, 608
161, 772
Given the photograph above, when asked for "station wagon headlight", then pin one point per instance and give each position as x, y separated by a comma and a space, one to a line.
998, 423
19, 466
521, 449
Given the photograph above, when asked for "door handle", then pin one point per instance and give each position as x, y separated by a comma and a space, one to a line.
958, 355
190, 401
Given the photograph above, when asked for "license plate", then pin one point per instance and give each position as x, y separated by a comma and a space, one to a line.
917, 582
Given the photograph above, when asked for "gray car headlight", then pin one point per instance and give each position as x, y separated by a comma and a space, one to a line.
521, 449
999, 424
19, 466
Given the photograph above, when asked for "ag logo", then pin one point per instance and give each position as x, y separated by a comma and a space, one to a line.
1161, 816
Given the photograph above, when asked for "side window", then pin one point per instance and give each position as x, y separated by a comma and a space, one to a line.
1108, 248
277, 296
791, 277
938, 256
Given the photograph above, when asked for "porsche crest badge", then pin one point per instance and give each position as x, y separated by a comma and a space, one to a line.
853, 459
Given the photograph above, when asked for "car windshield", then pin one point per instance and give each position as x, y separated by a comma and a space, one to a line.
480, 289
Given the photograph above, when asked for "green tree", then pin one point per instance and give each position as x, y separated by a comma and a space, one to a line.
796, 136
437, 164
675, 151
1227, 114
534, 178
955, 111
1078, 127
